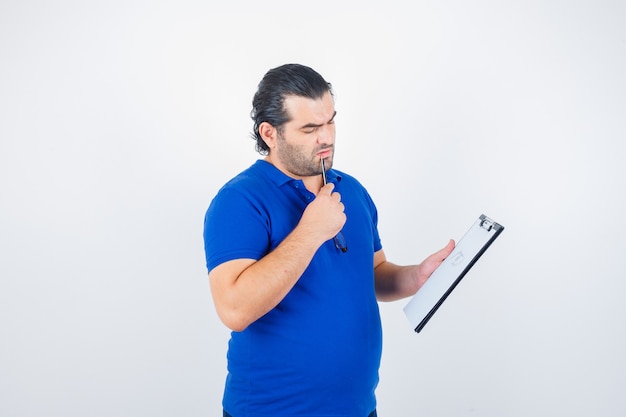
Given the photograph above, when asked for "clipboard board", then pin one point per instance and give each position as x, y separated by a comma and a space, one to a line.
451, 271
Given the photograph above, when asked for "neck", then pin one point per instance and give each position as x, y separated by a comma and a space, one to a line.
312, 183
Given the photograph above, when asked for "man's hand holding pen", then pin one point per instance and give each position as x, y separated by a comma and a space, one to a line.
324, 216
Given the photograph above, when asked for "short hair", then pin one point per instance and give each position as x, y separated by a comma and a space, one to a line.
276, 85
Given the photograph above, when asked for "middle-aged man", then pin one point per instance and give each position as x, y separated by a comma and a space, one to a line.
296, 266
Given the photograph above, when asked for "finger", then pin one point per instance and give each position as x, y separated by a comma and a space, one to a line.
327, 189
443, 253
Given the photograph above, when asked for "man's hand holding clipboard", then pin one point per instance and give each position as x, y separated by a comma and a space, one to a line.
446, 277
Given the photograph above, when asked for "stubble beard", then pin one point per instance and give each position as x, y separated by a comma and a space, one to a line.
297, 162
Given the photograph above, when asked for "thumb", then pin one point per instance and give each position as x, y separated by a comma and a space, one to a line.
439, 256
447, 250
327, 189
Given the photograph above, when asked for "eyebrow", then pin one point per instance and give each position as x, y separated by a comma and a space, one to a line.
311, 125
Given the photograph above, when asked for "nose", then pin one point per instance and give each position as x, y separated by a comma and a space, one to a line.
326, 134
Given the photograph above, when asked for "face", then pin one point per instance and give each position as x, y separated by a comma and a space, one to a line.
307, 137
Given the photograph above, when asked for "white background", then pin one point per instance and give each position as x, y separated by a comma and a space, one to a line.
120, 120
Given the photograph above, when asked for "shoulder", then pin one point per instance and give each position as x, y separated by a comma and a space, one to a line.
245, 185
249, 177
259, 176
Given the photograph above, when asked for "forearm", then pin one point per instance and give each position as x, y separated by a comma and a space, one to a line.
394, 282
243, 296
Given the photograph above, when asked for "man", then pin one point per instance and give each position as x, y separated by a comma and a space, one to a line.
296, 266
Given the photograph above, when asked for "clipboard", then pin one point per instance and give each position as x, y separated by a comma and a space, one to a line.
451, 271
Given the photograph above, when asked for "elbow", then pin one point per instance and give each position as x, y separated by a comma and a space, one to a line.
233, 320
236, 326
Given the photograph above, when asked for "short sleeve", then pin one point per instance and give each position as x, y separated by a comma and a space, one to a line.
234, 228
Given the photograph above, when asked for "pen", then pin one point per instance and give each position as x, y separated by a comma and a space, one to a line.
340, 241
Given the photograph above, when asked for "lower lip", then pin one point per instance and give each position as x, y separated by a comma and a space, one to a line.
324, 154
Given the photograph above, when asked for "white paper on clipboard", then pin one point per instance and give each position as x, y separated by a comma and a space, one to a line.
446, 277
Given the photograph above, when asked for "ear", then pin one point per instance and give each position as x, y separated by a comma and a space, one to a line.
269, 134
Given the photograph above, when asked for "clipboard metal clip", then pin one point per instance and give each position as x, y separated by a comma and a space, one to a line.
486, 223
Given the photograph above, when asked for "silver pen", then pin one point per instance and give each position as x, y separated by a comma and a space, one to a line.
339, 240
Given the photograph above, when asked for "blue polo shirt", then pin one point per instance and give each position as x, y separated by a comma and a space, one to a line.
317, 353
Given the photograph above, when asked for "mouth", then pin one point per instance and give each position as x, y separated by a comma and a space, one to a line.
323, 154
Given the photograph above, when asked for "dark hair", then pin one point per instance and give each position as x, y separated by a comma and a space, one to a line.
278, 83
